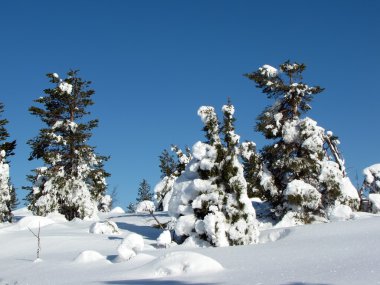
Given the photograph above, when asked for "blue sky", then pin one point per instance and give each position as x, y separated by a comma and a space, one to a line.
153, 63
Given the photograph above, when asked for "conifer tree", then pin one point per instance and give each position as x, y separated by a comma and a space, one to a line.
298, 173
144, 193
8, 199
210, 200
72, 180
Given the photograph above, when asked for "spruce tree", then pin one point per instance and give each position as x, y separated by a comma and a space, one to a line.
72, 180
210, 200
144, 193
298, 174
8, 199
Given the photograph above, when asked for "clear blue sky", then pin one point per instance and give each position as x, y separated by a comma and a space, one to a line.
153, 63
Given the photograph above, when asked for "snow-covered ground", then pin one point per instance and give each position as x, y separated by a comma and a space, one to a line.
335, 253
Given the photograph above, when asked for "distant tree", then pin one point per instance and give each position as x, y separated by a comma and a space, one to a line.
131, 208
303, 172
73, 179
144, 192
8, 199
170, 168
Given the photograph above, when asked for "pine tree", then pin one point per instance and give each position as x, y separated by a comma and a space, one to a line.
210, 200
298, 174
8, 199
73, 180
144, 193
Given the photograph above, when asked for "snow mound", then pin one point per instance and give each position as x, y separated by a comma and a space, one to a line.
89, 256
375, 201
33, 222
105, 228
130, 246
273, 235
57, 217
340, 213
164, 239
145, 206
179, 263
194, 242
117, 210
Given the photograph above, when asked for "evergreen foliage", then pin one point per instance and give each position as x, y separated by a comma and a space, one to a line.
144, 193
297, 166
210, 200
73, 179
8, 199
170, 168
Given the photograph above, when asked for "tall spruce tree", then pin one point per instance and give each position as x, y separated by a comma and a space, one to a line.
8, 199
72, 180
210, 201
303, 171
144, 193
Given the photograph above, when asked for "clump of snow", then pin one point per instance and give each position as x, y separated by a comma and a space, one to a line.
305, 195
33, 222
375, 202
130, 246
145, 206
117, 210
105, 228
372, 177
194, 242
340, 213
164, 239
89, 256
268, 70
179, 263
348, 190
55, 75
65, 87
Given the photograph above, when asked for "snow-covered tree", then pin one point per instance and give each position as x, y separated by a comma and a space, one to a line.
72, 180
303, 171
210, 200
144, 193
8, 199
170, 169
371, 187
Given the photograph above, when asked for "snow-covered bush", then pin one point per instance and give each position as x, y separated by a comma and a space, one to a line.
145, 207
210, 200
130, 246
164, 239
372, 178
303, 170
170, 170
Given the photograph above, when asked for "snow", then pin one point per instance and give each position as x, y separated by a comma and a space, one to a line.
340, 213
375, 201
182, 263
310, 197
89, 256
130, 246
105, 228
339, 253
117, 210
65, 87
145, 206
372, 173
164, 239
55, 75
268, 70
33, 222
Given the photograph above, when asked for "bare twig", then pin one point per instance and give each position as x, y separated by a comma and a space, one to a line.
157, 221
38, 239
